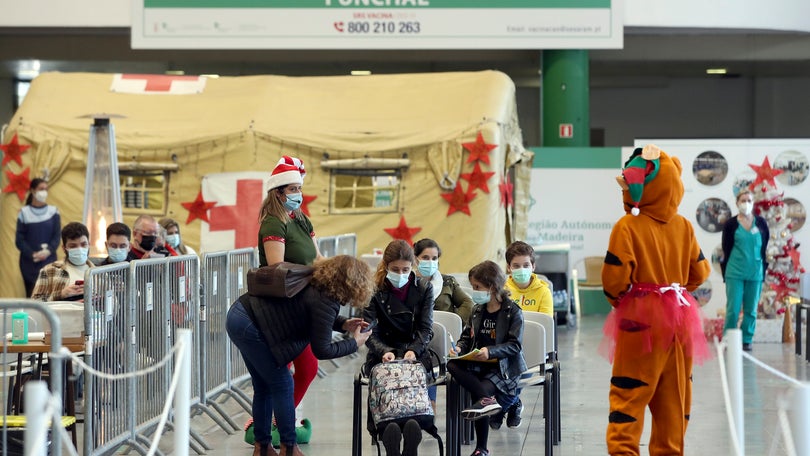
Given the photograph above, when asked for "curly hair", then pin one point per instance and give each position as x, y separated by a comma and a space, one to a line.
345, 278
491, 276
394, 251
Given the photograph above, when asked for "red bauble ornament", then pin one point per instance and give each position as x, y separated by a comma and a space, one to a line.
764, 189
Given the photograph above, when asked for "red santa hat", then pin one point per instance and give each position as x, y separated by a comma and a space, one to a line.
289, 170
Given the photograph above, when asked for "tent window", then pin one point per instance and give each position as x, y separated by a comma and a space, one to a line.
356, 191
144, 191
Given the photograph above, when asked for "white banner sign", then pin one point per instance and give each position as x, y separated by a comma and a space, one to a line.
377, 24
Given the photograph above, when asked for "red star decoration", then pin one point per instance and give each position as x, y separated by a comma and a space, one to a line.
18, 183
479, 150
403, 231
13, 151
459, 200
507, 190
794, 257
782, 291
478, 178
764, 173
305, 204
198, 209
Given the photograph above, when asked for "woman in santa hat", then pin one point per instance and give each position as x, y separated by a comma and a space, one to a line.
286, 234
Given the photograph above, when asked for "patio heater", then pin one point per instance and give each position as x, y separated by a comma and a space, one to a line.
102, 192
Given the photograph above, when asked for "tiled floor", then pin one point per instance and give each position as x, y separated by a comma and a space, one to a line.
585, 377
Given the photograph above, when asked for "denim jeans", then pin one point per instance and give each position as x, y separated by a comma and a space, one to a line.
272, 384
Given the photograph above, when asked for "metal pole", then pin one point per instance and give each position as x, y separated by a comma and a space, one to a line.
182, 398
799, 416
734, 367
36, 429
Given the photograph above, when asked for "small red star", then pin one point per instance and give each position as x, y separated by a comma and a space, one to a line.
764, 173
459, 200
782, 291
18, 183
198, 209
794, 257
13, 151
507, 190
305, 204
478, 178
403, 231
479, 150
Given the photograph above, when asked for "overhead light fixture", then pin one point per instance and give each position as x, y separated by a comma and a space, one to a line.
360, 72
212, 76
716, 71
175, 72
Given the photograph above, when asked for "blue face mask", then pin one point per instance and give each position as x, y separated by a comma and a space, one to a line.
521, 276
480, 296
397, 280
173, 239
77, 256
294, 201
428, 267
117, 255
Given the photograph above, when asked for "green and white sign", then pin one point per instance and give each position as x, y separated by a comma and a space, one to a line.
377, 24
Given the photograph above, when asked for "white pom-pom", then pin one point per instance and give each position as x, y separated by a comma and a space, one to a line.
634, 211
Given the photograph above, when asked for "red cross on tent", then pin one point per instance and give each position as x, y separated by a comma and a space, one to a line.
157, 84
241, 217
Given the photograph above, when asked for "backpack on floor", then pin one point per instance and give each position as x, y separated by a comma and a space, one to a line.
398, 393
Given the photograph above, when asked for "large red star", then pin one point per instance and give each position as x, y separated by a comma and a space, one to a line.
782, 291
18, 183
459, 200
13, 151
305, 204
478, 178
764, 173
479, 150
794, 257
507, 190
403, 231
198, 209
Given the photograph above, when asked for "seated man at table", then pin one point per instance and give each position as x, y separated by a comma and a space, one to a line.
64, 280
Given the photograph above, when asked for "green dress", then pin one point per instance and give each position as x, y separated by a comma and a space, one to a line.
297, 237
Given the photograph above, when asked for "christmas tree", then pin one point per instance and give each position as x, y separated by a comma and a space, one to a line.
784, 267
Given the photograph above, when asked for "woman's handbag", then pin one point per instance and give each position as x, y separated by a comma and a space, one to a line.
280, 280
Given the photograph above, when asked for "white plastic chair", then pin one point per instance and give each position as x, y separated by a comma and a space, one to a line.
552, 362
451, 321
534, 352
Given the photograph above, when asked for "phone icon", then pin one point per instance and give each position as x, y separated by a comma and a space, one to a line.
338, 26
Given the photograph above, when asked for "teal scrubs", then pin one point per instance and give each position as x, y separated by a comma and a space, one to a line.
744, 277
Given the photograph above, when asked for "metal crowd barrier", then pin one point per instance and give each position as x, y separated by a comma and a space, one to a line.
7, 306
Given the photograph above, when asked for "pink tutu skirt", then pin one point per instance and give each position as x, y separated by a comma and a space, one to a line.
664, 313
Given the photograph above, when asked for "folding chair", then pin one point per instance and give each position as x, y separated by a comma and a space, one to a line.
552, 363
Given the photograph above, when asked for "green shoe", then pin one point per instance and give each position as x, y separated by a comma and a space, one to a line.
250, 439
303, 433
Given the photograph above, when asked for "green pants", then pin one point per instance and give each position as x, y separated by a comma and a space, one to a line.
745, 293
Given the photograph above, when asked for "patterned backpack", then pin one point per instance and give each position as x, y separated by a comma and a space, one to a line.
398, 393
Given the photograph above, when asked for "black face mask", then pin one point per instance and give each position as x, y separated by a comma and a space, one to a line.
147, 243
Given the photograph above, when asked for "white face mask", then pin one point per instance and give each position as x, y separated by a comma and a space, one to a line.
41, 195
746, 208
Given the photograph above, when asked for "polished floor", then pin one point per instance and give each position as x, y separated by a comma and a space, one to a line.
585, 377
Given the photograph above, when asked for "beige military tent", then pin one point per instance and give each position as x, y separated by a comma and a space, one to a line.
381, 152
